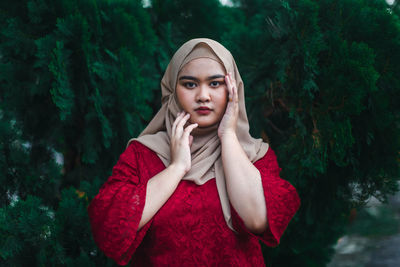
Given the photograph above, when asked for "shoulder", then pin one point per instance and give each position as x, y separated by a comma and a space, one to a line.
134, 152
144, 155
269, 160
137, 148
269, 156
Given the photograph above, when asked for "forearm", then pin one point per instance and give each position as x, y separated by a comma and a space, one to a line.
244, 185
163, 185
159, 189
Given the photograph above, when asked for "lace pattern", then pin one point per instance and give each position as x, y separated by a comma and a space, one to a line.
190, 228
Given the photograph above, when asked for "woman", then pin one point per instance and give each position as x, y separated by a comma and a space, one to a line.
162, 205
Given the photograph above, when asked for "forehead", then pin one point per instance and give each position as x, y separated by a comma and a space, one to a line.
202, 67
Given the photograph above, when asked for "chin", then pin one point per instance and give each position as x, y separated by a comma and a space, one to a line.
204, 124
204, 121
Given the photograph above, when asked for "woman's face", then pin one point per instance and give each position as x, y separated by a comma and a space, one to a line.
202, 92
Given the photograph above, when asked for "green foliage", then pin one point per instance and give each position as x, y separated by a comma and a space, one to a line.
79, 78
32, 233
21, 174
26, 226
177, 21
322, 74
76, 84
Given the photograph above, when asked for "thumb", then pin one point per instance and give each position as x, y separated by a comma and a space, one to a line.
190, 140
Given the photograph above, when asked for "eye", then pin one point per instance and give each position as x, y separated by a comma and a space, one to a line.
215, 83
189, 85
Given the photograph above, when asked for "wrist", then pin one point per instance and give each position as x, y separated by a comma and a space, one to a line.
228, 135
178, 170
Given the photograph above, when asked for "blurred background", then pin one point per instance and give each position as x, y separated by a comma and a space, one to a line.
79, 78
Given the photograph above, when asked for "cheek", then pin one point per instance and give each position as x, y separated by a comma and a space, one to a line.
183, 97
223, 100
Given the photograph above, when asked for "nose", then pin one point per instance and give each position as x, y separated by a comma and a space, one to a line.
203, 94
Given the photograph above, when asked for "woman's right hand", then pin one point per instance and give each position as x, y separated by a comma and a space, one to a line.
181, 141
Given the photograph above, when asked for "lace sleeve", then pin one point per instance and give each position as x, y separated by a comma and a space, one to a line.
116, 211
281, 199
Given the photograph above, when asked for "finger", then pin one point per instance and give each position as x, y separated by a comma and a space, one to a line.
190, 140
234, 89
178, 118
188, 130
228, 87
181, 123
232, 81
176, 131
234, 95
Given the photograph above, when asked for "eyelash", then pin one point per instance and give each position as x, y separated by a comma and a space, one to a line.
219, 83
191, 85
187, 85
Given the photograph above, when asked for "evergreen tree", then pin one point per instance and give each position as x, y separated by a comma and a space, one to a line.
79, 78
178, 21
175, 22
325, 76
77, 83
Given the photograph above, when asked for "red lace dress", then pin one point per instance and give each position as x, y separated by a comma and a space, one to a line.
190, 229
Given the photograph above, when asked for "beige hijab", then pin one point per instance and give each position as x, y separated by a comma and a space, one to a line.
206, 148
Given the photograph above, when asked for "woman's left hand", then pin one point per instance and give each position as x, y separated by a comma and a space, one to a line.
230, 118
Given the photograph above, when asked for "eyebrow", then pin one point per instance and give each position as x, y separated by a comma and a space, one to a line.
217, 76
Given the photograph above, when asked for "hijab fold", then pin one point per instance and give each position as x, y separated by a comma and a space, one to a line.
206, 146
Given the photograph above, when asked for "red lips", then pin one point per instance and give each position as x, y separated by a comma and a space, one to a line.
203, 110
